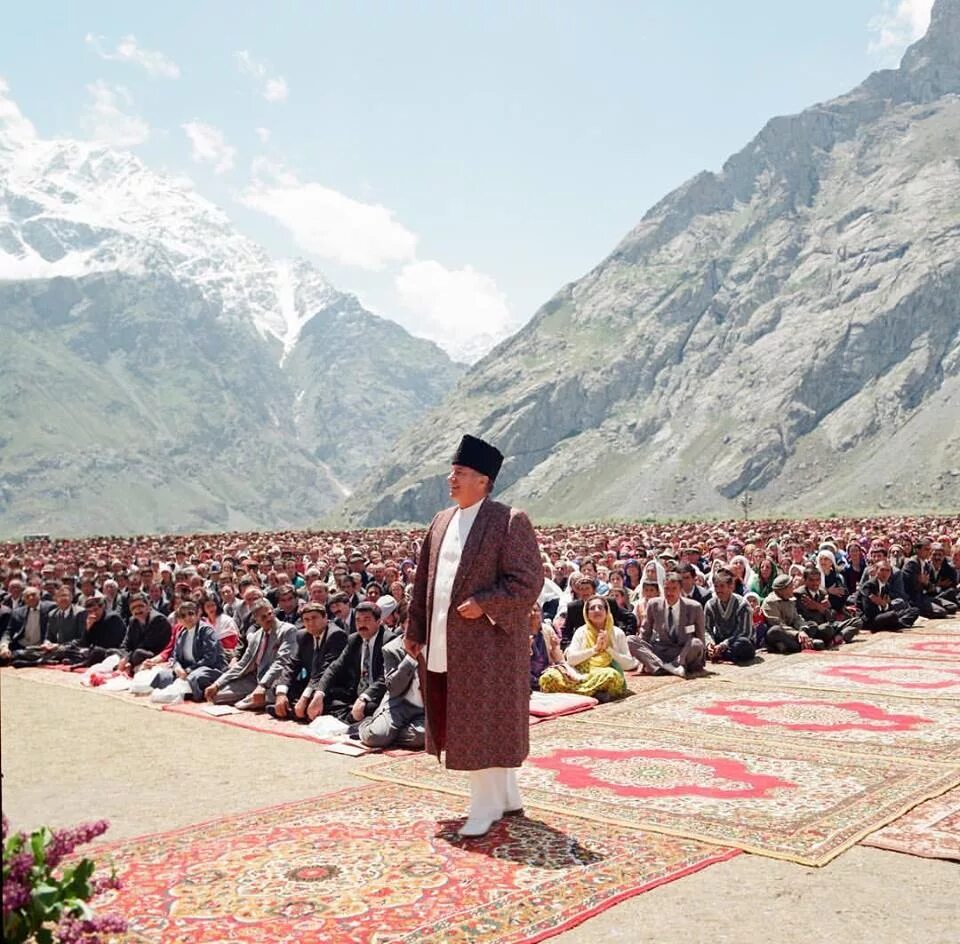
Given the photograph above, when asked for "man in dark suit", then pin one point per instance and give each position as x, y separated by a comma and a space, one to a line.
67, 622
399, 716
881, 609
103, 630
671, 639
148, 633
919, 583
197, 657
319, 643
352, 686
689, 587
27, 626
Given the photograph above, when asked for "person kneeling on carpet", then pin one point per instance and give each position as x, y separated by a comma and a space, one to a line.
250, 684
197, 655
399, 718
598, 654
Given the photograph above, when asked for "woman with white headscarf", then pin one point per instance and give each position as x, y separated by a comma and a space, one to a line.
833, 581
742, 572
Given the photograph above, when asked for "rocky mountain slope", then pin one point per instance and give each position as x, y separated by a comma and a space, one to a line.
161, 372
788, 328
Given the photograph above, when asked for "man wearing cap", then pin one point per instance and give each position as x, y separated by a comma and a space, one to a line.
478, 575
788, 632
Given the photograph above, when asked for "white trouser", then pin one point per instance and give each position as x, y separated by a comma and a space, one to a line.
493, 791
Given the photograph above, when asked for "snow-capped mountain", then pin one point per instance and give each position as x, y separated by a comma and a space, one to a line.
72, 208
160, 371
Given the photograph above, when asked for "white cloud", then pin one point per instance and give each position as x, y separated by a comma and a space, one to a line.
104, 119
127, 50
897, 26
263, 134
272, 87
453, 305
208, 146
327, 223
13, 125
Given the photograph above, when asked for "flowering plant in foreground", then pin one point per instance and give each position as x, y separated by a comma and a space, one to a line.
45, 904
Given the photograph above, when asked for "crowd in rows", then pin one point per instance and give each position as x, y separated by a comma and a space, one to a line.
310, 624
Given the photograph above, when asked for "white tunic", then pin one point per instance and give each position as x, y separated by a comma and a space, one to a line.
448, 561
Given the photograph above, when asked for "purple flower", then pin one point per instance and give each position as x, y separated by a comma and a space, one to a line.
106, 883
15, 895
19, 866
78, 931
64, 841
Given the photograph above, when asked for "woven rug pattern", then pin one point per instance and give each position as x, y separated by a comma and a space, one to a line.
907, 647
381, 864
797, 801
932, 830
838, 671
864, 722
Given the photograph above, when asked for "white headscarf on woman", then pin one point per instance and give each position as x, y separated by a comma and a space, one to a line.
748, 573
823, 572
658, 569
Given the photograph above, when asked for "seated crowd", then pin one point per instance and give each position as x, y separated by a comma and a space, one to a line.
304, 624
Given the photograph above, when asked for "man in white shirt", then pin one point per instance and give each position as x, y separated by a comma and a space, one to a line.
479, 572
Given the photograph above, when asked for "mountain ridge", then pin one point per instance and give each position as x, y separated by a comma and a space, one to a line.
815, 274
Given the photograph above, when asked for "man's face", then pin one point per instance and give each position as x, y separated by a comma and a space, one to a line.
367, 624
265, 618
671, 592
138, 610
288, 602
133, 582
884, 572
315, 622
723, 589
585, 589
686, 582
31, 596
340, 609
64, 598
467, 486
811, 582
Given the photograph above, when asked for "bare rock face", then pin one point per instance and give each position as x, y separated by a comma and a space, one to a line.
788, 328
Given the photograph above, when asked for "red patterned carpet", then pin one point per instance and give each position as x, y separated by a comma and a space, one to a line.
907, 647
800, 801
863, 722
838, 671
931, 830
382, 863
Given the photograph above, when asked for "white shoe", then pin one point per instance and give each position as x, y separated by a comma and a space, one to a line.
475, 827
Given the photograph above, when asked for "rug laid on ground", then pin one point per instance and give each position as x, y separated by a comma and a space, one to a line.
944, 627
381, 863
838, 671
865, 722
803, 802
907, 647
932, 830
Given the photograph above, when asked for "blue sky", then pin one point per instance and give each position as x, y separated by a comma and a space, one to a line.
454, 164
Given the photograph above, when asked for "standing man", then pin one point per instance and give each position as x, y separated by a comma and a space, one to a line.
478, 574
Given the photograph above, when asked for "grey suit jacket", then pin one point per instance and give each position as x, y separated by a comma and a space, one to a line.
399, 670
655, 629
281, 649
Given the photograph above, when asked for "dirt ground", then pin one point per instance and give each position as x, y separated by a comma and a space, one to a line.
69, 756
